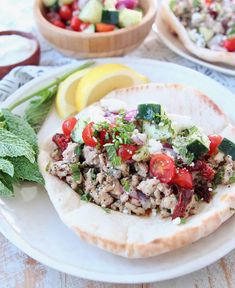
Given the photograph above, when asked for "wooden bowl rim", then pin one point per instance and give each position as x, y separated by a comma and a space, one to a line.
25, 35
151, 12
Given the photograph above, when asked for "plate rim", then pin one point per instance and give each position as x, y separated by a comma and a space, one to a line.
187, 55
23, 245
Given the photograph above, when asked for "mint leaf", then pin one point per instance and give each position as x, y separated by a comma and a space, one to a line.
13, 146
6, 167
20, 128
25, 170
112, 154
6, 187
39, 108
76, 172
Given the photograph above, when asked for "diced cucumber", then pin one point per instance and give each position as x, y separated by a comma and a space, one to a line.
227, 147
110, 17
92, 12
128, 17
76, 134
49, 3
90, 29
197, 148
206, 33
149, 112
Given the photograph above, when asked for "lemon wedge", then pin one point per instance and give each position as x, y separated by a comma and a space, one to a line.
66, 94
103, 79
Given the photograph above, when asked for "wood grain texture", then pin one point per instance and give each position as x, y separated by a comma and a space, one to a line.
85, 45
17, 270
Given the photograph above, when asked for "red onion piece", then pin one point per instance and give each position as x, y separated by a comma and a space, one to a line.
130, 4
130, 115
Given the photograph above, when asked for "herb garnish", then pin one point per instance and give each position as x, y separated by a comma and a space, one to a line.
18, 153
86, 197
42, 100
112, 154
107, 210
76, 172
182, 220
126, 184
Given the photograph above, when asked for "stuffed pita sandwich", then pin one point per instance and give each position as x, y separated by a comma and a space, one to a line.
206, 28
147, 170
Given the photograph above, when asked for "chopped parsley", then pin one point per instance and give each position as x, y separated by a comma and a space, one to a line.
117, 161
182, 220
112, 154
196, 3
106, 210
126, 184
78, 150
219, 176
76, 172
86, 197
232, 179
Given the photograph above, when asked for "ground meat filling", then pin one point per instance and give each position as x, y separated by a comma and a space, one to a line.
208, 23
144, 167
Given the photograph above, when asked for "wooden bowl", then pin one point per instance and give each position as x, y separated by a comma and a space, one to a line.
106, 44
33, 59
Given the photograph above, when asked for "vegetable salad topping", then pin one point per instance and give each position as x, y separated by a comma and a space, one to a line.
210, 23
90, 16
142, 161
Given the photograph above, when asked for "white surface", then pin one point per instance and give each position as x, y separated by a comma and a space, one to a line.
173, 43
33, 226
15, 49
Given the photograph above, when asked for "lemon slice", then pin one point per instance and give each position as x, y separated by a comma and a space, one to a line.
66, 94
103, 79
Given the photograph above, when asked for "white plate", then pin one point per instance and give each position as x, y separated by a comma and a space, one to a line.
31, 223
173, 43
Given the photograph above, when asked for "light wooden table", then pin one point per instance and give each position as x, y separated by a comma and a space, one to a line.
17, 270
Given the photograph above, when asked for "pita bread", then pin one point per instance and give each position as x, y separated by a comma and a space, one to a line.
166, 15
139, 237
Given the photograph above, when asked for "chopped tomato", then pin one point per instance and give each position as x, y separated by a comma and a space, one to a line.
215, 141
88, 135
162, 167
58, 23
185, 197
183, 178
126, 151
76, 23
230, 44
209, 2
61, 141
65, 12
204, 169
68, 125
102, 27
